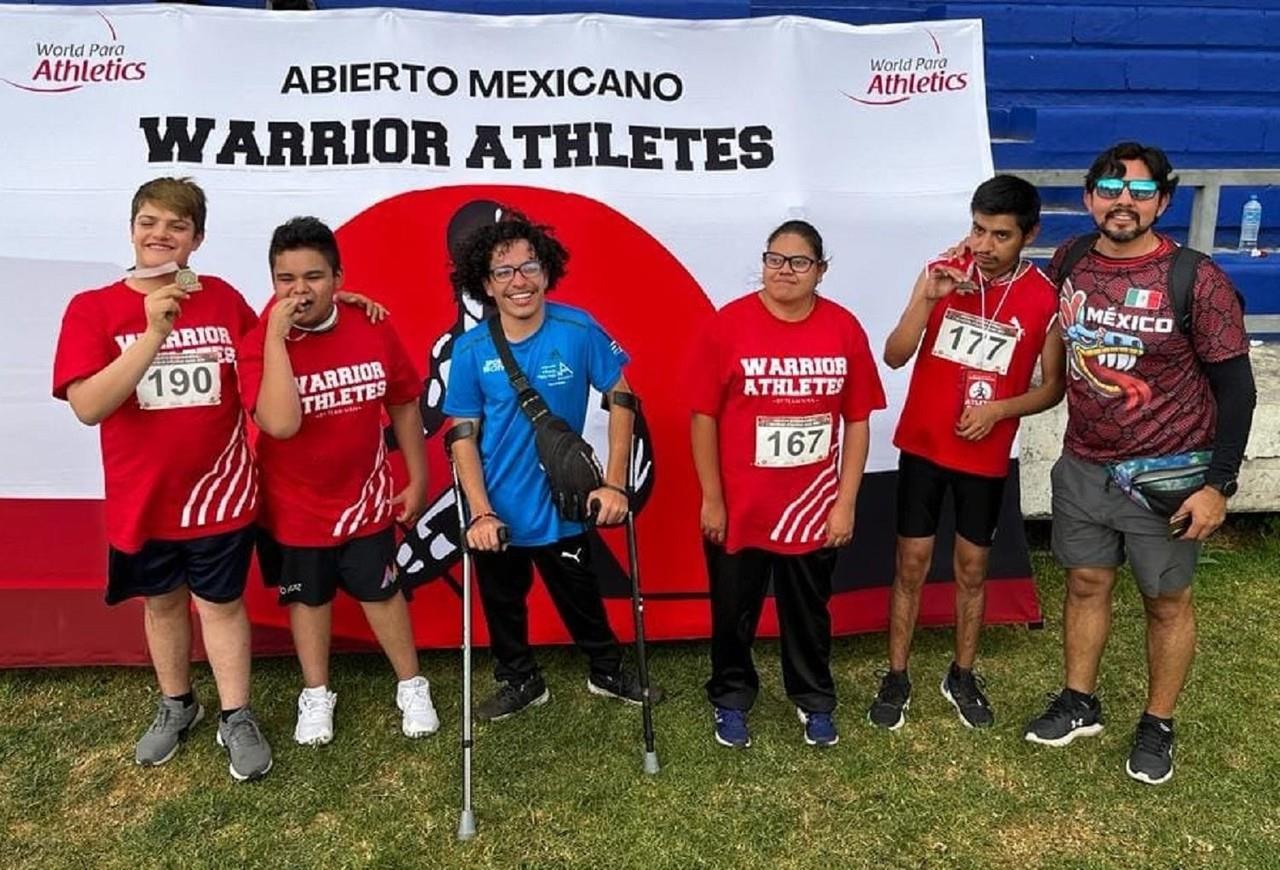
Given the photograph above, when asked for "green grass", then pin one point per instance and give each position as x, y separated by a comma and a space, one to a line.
562, 786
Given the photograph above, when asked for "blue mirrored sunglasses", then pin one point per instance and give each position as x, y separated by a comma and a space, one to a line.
1139, 188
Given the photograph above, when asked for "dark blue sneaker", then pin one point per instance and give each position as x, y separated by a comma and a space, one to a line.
819, 728
731, 728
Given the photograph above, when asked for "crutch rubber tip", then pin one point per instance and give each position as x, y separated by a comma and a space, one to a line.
651, 763
467, 825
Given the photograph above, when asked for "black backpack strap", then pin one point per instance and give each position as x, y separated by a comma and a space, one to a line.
529, 400
1182, 284
1075, 253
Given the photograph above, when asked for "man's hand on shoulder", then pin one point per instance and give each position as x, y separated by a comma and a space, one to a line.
375, 311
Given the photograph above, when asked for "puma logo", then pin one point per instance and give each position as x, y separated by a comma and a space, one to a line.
576, 555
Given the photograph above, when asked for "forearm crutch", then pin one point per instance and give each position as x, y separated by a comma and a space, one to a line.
467, 818
631, 402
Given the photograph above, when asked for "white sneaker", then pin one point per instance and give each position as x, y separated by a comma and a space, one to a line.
315, 716
413, 697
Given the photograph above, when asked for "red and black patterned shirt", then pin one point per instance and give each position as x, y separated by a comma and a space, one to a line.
1135, 386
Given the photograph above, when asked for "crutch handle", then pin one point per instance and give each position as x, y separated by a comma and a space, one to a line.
593, 513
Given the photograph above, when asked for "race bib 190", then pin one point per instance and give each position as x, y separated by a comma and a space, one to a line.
181, 380
789, 441
976, 343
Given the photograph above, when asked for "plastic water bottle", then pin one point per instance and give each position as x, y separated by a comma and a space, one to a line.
1250, 222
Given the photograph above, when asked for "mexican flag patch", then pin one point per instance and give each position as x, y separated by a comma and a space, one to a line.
1138, 298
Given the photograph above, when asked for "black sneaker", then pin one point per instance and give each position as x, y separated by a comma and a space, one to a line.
624, 685
889, 708
964, 690
1064, 720
1151, 759
511, 698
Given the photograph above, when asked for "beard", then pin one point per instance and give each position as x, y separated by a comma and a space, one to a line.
1136, 229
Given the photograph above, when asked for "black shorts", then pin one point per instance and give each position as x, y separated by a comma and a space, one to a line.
214, 568
365, 567
921, 487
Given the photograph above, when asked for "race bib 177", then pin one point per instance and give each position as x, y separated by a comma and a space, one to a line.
974, 342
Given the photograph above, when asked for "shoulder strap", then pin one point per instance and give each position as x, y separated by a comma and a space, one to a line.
1079, 248
1182, 282
529, 400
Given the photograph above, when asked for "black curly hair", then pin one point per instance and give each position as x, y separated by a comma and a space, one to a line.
471, 258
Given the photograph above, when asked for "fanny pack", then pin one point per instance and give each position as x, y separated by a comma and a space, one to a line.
570, 464
1161, 483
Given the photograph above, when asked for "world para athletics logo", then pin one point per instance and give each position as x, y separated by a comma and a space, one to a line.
895, 80
62, 67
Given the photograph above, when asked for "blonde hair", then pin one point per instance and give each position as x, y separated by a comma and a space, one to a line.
182, 196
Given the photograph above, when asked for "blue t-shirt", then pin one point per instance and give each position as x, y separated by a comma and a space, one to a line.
568, 354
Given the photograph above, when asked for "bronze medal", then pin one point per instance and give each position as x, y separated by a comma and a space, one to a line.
186, 278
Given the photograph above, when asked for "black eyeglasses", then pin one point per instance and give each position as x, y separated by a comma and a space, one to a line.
1139, 188
799, 263
529, 268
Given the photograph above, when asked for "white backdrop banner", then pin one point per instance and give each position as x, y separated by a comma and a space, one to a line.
663, 153
703, 135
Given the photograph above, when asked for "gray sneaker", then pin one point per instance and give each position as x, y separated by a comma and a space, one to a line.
170, 727
248, 750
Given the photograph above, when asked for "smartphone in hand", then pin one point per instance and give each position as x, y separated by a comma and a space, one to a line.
1178, 525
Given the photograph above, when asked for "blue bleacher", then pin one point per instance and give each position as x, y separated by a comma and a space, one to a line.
1069, 77
1065, 79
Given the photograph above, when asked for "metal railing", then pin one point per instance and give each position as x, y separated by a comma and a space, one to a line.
1207, 185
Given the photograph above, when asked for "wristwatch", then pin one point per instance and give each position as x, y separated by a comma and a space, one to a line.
1226, 487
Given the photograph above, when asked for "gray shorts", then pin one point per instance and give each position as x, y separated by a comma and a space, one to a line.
1095, 525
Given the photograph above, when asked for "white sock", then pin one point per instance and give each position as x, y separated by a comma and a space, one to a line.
411, 682
315, 691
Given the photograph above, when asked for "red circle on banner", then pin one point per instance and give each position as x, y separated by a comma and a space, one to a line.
396, 253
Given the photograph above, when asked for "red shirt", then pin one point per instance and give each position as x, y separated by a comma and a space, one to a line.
1023, 309
331, 481
1135, 386
778, 391
175, 470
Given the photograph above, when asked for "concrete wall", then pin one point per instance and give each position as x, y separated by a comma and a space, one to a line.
1259, 477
